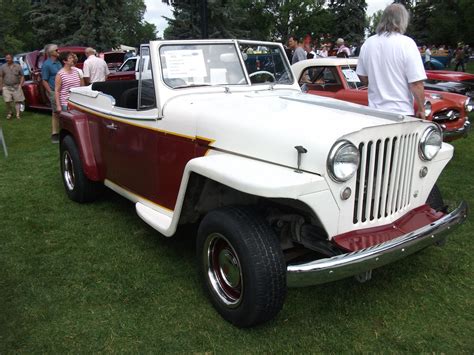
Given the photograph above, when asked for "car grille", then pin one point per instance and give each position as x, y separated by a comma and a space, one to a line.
446, 115
384, 177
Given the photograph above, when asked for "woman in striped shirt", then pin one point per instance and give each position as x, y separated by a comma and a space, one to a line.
66, 79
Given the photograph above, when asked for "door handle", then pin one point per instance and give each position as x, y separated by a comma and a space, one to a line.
112, 126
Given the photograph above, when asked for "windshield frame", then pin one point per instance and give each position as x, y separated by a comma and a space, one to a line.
236, 45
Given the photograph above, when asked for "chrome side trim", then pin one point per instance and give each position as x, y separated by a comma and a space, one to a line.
341, 266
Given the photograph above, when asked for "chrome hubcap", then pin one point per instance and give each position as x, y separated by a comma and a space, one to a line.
68, 172
223, 269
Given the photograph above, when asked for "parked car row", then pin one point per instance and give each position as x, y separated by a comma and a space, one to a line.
288, 189
337, 78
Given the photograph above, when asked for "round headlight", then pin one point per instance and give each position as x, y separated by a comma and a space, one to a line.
427, 108
343, 161
430, 143
468, 105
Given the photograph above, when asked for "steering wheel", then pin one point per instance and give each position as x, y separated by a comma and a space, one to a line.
260, 72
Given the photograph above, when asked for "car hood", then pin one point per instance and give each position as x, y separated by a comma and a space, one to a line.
449, 75
446, 99
268, 125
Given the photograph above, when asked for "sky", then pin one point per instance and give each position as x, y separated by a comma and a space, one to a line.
155, 9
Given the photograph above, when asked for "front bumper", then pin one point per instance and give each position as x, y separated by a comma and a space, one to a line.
350, 264
458, 133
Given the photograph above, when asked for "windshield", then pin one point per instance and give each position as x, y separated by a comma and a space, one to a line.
216, 64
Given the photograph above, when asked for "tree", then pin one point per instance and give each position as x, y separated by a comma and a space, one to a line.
102, 24
373, 22
349, 19
253, 19
222, 19
16, 34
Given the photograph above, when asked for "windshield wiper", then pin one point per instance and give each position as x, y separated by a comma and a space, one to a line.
191, 86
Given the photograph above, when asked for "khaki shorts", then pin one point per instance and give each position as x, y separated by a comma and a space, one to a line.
52, 99
13, 93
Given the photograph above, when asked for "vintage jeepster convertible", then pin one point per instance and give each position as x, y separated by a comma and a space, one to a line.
282, 198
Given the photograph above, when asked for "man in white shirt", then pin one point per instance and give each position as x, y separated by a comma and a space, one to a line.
95, 68
427, 58
391, 65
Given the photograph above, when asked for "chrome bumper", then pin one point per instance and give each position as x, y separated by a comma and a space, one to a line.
341, 266
458, 133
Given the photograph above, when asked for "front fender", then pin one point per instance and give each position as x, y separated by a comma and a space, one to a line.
76, 124
257, 178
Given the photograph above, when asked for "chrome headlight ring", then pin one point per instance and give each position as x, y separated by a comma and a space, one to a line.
430, 143
343, 161
428, 108
468, 105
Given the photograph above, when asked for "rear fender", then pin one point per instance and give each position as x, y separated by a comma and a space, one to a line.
75, 123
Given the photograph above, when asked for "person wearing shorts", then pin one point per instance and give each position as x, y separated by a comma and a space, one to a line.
48, 75
11, 81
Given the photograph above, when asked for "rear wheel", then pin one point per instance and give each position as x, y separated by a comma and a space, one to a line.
78, 187
242, 265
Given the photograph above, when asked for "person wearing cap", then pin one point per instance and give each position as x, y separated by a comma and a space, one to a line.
391, 65
48, 75
342, 50
95, 68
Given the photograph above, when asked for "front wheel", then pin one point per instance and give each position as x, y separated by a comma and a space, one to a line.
78, 187
242, 264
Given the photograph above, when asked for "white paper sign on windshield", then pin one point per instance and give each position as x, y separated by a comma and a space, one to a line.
185, 63
351, 75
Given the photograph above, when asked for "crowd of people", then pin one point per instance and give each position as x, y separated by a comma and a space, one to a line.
298, 49
59, 75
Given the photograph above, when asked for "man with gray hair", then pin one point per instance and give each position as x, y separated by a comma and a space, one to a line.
95, 68
391, 65
50, 68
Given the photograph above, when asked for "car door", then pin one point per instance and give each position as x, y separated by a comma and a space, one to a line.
131, 141
353, 90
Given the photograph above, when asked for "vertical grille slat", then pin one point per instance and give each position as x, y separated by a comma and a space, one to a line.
384, 178
401, 172
370, 181
378, 180
393, 177
361, 179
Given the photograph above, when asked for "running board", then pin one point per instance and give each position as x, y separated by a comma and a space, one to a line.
156, 219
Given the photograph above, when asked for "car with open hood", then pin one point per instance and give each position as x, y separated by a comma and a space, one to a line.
450, 81
35, 94
288, 189
336, 78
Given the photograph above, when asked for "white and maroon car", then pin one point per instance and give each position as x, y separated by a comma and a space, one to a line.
227, 139
336, 78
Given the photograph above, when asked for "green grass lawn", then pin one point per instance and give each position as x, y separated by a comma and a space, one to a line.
94, 277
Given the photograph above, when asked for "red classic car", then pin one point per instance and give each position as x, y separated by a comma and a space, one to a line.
114, 59
336, 78
450, 81
126, 70
447, 75
35, 94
